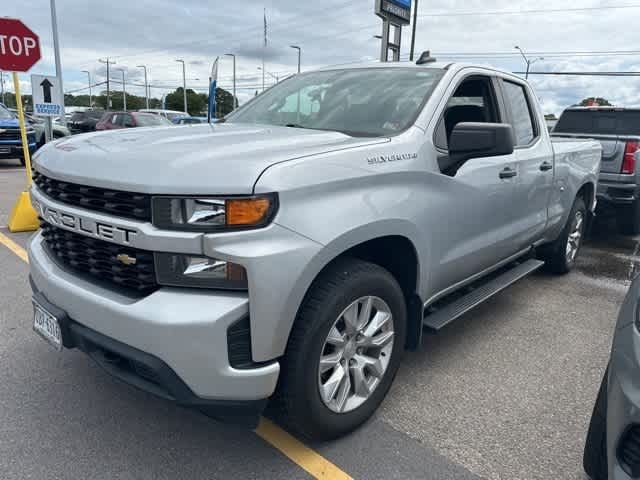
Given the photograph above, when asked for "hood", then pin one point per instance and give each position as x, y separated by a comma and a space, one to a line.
205, 159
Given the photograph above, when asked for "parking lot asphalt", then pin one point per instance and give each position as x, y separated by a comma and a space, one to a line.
504, 393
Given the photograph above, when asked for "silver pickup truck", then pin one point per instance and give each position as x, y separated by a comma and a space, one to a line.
294, 251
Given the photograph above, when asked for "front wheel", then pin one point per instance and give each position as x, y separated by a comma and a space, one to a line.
344, 350
560, 256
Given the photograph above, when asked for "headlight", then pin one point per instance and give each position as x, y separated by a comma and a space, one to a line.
215, 213
179, 270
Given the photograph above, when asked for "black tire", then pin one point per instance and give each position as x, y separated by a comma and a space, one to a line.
595, 450
555, 253
628, 218
297, 403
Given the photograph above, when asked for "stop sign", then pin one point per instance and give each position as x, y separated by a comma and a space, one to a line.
19, 46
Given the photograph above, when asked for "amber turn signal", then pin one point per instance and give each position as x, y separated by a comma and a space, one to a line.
247, 211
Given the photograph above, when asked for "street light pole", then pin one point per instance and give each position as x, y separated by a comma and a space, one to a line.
299, 54
56, 51
184, 85
528, 62
89, 81
234, 79
124, 90
146, 86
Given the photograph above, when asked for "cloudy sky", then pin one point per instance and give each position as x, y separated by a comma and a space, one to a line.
583, 35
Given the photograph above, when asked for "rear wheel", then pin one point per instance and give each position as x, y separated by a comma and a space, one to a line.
344, 351
595, 450
628, 218
560, 256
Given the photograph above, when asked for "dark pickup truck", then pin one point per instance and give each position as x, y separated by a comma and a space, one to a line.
618, 130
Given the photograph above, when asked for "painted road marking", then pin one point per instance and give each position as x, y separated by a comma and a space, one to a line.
311, 461
296, 451
14, 247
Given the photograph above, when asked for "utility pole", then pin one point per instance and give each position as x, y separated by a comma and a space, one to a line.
56, 51
299, 54
528, 61
124, 90
234, 79
89, 80
146, 86
184, 85
413, 30
107, 62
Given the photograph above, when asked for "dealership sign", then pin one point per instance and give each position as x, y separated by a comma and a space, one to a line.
398, 11
46, 96
19, 46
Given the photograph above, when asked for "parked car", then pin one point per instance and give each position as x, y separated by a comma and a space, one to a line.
612, 450
85, 121
168, 114
58, 130
618, 130
293, 251
117, 120
10, 137
190, 120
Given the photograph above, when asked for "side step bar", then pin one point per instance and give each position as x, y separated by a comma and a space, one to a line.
437, 319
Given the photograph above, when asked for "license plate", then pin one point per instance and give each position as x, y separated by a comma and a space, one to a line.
46, 325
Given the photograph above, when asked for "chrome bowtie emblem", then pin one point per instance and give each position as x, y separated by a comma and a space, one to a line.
126, 259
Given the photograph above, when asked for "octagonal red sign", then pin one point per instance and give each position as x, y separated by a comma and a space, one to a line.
19, 46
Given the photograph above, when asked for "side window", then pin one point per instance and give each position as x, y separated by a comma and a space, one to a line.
473, 101
127, 120
522, 120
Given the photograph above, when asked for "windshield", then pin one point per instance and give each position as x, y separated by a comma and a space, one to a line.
359, 102
5, 114
151, 120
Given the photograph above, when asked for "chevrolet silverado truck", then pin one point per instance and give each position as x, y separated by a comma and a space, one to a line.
618, 130
289, 255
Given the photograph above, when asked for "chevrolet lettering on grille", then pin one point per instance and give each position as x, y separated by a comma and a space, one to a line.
82, 225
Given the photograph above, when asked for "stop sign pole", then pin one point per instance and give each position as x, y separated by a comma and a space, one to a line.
19, 51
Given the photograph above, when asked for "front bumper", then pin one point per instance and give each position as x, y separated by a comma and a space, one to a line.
182, 329
13, 150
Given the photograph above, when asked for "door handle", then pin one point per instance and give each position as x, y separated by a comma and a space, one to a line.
546, 166
507, 173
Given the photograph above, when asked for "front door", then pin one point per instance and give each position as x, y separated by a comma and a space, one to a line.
475, 230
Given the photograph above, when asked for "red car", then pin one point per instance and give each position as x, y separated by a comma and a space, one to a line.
116, 120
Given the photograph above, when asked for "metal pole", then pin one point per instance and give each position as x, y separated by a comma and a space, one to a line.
397, 40
146, 86
299, 54
48, 129
413, 29
108, 63
384, 49
124, 91
526, 75
234, 78
184, 85
56, 50
89, 80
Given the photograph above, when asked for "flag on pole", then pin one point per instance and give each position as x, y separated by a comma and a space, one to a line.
265, 27
213, 85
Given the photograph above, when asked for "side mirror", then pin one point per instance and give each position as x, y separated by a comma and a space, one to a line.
476, 140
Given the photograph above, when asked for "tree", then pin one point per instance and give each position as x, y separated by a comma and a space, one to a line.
594, 102
195, 103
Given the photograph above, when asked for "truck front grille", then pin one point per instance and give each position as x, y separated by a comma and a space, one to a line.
99, 260
124, 204
9, 134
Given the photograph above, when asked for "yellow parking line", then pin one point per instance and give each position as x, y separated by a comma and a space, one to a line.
309, 460
314, 463
14, 247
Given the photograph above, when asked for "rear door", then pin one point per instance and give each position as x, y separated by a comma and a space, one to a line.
534, 164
